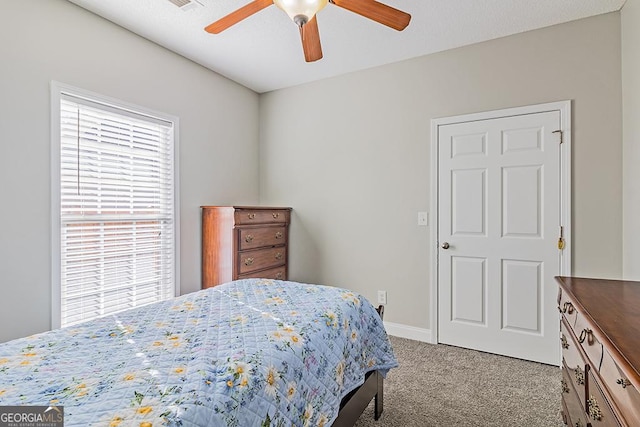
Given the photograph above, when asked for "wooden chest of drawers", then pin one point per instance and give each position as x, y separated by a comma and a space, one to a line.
239, 242
600, 339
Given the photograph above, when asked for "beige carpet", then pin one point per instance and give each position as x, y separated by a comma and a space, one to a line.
440, 385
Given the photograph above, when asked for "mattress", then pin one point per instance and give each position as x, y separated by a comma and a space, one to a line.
251, 352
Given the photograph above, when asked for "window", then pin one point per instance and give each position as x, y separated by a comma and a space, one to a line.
114, 206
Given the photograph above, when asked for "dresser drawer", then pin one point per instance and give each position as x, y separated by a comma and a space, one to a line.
261, 216
573, 361
589, 342
261, 259
278, 273
623, 392
599, 412
257, 237
572, 406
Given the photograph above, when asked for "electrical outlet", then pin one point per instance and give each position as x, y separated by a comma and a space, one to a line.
382, 297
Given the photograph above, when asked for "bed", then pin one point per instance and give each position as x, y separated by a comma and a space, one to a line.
251, 352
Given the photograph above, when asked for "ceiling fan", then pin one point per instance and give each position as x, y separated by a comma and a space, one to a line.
303, 13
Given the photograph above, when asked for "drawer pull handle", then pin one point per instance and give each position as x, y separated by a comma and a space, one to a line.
279, 235
280, 275
279, 255
594, 410
249, 238
565, 387
623, 382
565, 343
248, 261
275, 215
251, 215
586, 333
567, 307
579, 373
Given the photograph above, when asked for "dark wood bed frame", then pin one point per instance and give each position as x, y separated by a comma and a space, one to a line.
356, 402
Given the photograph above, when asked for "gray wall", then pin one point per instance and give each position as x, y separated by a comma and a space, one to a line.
56, 40
351, 155
631, 136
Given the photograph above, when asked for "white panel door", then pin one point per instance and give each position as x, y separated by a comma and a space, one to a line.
499, 217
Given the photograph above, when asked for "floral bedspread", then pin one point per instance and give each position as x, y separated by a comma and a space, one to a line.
248, 353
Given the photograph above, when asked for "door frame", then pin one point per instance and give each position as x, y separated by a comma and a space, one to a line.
565, 186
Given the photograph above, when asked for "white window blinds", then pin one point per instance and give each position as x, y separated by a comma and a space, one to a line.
117, 209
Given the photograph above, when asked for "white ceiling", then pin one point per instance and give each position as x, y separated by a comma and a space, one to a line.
264, 52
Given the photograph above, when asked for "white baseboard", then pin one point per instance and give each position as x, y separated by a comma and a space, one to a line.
409, 332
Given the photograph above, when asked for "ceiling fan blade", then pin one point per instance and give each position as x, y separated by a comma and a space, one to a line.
381, 13
311, 41
237, 16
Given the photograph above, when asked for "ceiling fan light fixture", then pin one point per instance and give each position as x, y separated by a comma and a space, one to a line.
301, 11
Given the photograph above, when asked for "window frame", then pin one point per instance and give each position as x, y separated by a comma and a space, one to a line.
57, 91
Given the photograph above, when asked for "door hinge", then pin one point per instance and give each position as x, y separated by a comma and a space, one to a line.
561, 243
561, 135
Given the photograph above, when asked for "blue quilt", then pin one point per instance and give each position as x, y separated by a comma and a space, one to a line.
248, 353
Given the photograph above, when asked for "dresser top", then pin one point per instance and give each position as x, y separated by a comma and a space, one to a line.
246, 207
614, 308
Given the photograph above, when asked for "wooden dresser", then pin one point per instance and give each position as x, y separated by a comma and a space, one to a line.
239, 242
600, 338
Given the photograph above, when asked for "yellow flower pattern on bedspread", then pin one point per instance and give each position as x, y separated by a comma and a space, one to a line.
252, 352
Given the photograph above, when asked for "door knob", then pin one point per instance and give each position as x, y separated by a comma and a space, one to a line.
445, 245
